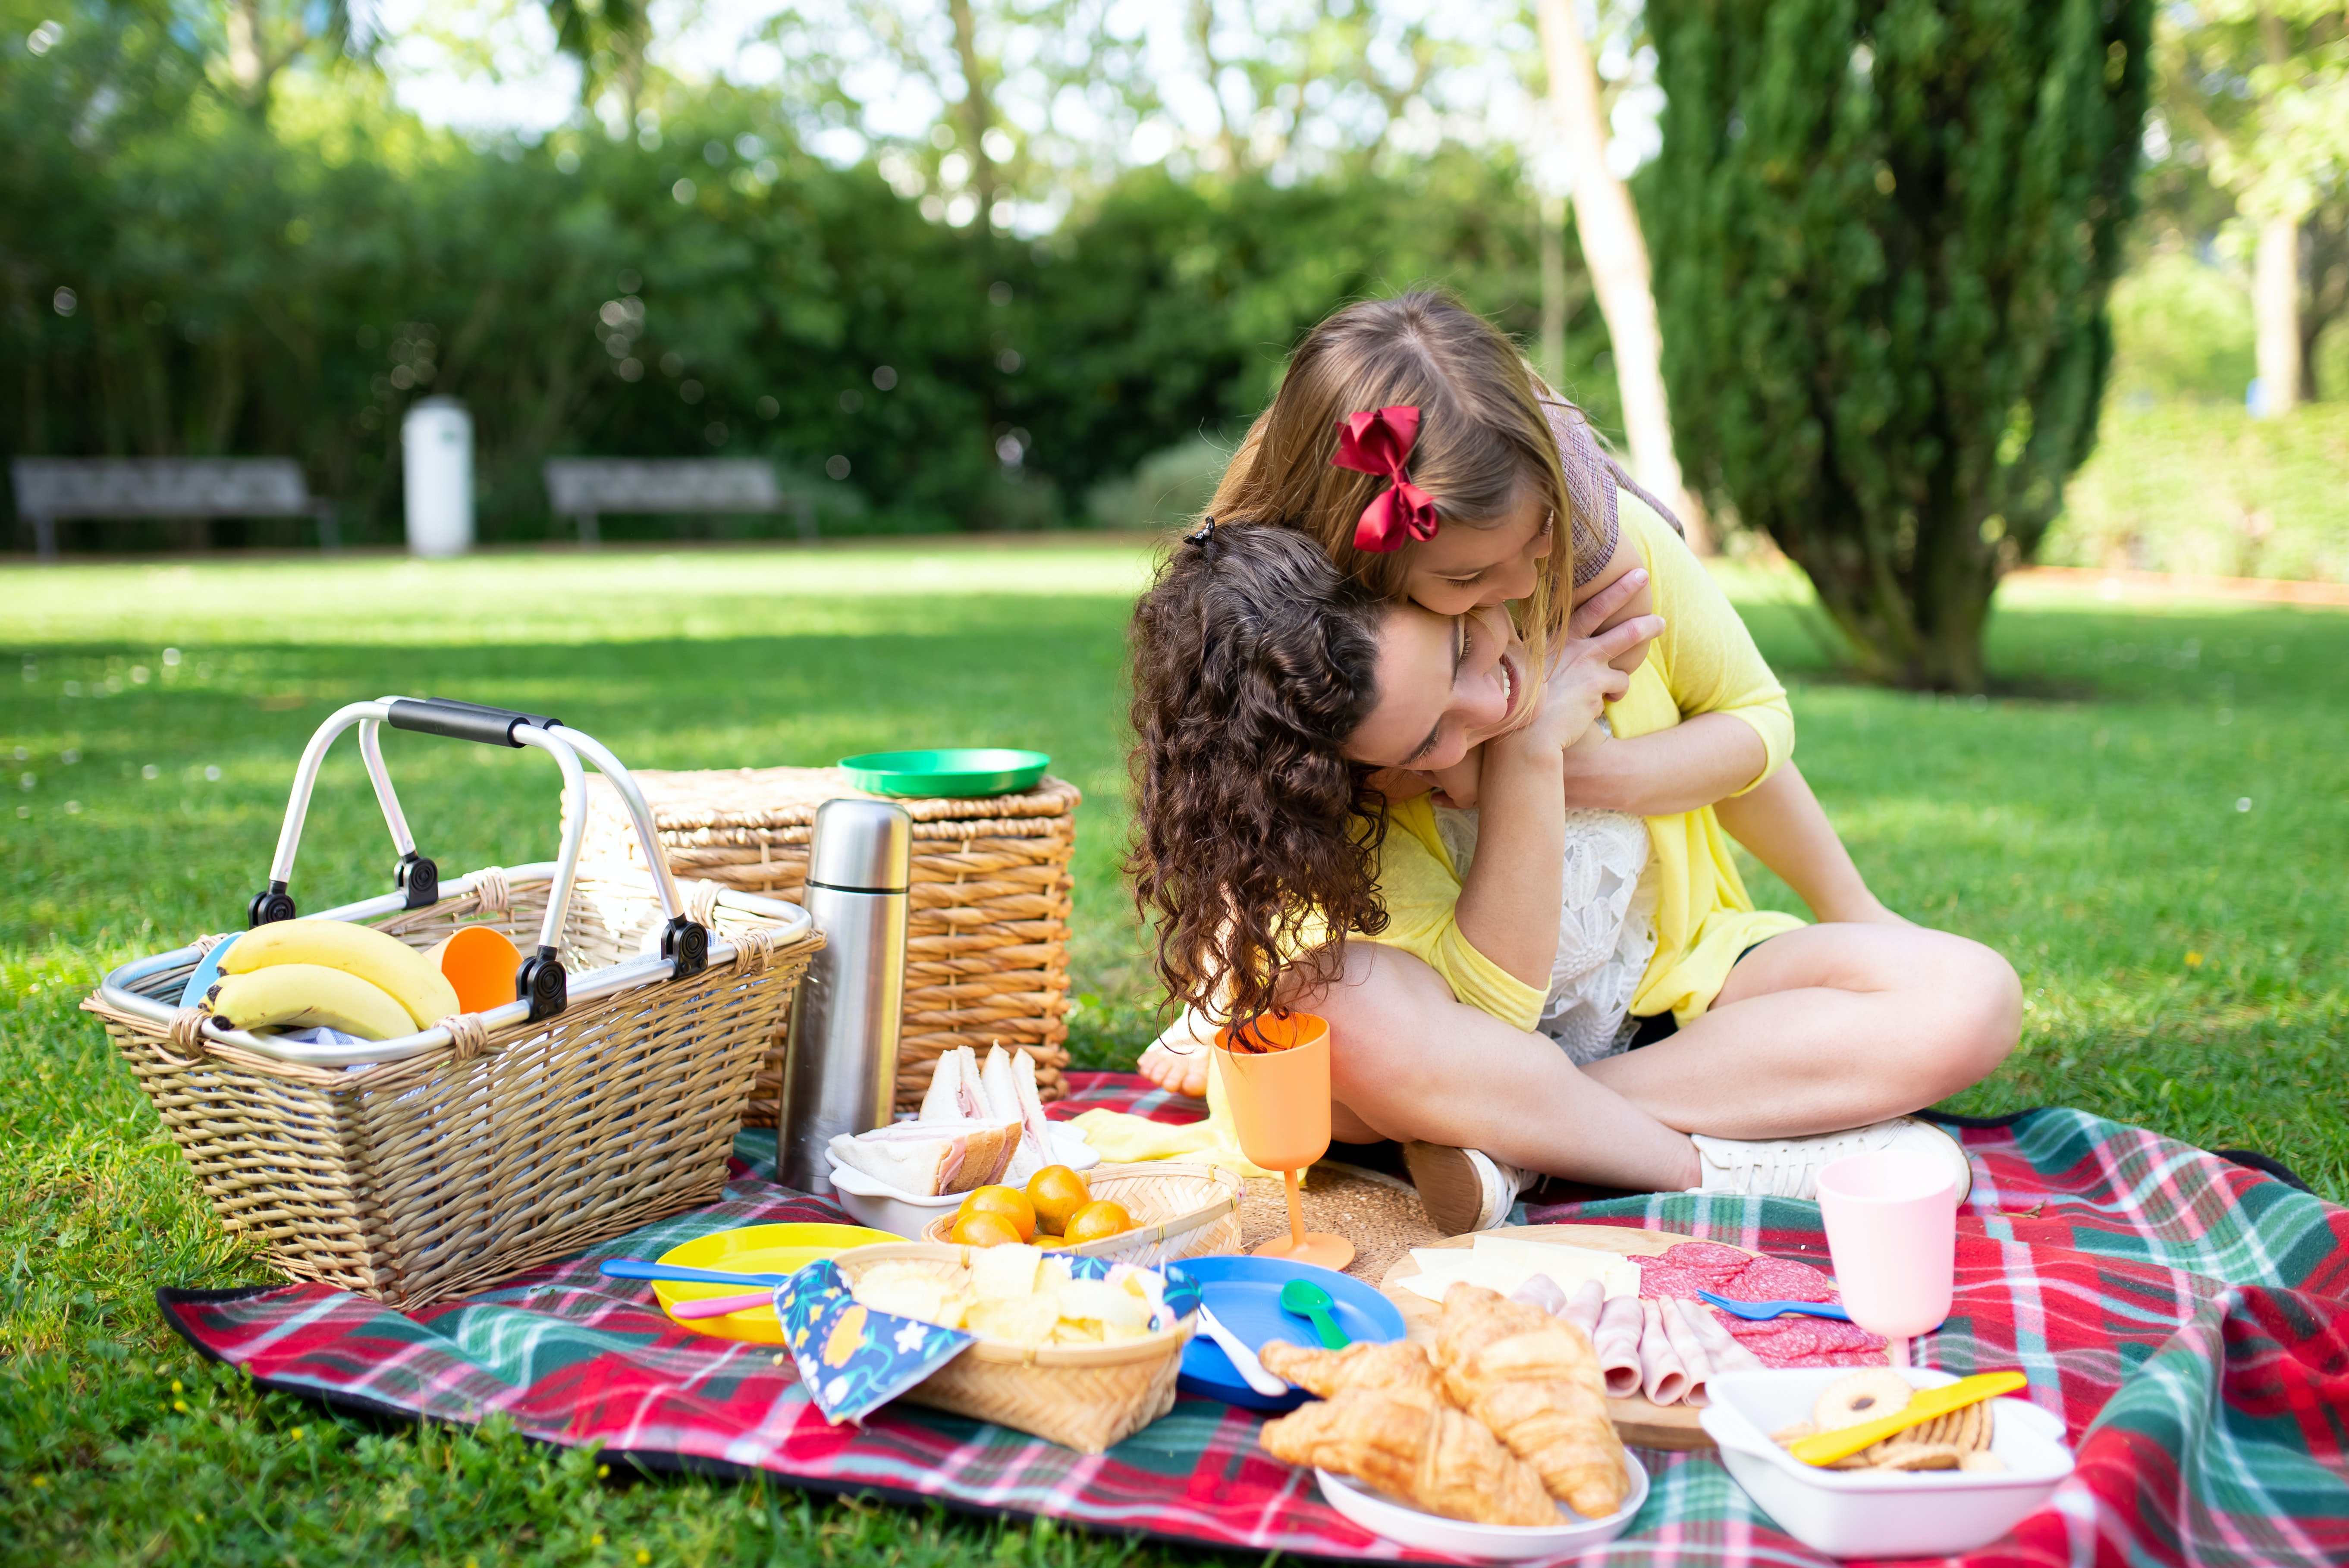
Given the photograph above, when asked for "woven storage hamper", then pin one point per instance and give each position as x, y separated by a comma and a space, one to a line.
1082, 1396
987, 947
421, 1180
413, 1170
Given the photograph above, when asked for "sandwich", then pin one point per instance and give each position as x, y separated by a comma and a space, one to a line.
1003, 1090
933, 1159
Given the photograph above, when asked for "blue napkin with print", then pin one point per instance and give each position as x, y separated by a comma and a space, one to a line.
853, 1359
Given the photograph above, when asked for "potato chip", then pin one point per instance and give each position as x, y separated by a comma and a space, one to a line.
1005, 1273
913, 1290
1022, 1320
1103, 1301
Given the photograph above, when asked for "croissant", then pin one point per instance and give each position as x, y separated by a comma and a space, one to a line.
1534, 1380
1400, 1369
1427, 1455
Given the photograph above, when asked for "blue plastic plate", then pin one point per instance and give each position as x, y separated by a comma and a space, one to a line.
1245, 1293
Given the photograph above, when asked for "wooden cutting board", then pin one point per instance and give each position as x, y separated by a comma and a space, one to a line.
1637, 1422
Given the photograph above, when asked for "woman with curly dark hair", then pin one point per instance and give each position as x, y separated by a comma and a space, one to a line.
1290, 860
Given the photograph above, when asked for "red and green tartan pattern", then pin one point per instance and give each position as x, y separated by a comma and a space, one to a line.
2189, 1318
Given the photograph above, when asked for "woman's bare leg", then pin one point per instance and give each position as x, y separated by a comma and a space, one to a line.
1408, 1062
1827, 1027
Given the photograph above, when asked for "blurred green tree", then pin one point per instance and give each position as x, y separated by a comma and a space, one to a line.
179, 276
1885, 233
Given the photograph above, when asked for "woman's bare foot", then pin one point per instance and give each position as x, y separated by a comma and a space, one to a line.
1182, 1071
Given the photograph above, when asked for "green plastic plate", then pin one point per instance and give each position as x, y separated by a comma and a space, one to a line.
957, 772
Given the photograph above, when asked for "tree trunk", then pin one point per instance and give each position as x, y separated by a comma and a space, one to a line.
2275, 268
1552, 223
2275, 311
246, 66
1203, 31
1616, 257
977, 113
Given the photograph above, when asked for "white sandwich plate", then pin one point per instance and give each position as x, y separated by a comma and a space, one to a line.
874, 1203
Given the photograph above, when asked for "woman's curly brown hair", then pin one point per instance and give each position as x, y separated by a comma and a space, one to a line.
1254, 837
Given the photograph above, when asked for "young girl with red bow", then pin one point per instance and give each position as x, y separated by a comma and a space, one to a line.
1410, 441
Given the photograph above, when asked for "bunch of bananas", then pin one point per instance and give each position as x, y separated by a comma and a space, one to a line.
328, 973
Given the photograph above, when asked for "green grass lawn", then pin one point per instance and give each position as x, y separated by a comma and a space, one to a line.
2151, 825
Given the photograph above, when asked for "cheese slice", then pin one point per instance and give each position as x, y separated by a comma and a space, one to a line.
1504, 1262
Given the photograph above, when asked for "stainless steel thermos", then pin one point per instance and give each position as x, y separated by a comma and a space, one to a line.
840, 1065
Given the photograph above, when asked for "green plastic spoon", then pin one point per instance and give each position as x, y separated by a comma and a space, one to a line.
1308, 1300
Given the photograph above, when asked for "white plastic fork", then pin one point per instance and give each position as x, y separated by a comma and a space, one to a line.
1244, 1361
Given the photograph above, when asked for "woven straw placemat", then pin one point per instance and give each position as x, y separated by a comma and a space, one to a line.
1381, 1216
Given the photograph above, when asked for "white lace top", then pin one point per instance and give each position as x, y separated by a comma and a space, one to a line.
1606, 925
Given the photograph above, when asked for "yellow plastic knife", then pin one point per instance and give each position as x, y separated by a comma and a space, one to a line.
1826, 1448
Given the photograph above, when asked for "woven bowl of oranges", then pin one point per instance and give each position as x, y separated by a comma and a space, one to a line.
1144, 1213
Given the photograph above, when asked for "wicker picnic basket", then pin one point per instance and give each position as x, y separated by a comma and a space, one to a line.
1180, 1211
987, 945
1082, 1396
416, 1170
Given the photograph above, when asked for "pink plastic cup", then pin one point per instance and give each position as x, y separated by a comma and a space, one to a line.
1892, 1229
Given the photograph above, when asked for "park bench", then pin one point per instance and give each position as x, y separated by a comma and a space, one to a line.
48, 489
587, 488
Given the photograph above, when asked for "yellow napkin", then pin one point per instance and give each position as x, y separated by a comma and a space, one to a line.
1120, 1137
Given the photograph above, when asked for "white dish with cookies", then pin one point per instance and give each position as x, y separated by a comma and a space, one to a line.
1978, 1495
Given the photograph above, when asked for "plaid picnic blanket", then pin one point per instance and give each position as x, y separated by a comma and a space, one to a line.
2186, 1316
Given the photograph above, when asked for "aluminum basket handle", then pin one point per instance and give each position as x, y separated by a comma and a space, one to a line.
540, 980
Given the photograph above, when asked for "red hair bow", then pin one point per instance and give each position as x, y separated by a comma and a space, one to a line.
1379, 442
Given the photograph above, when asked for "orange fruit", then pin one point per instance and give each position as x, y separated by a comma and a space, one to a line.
1058, 1193
983, 1228
1099, 1219
1009, 1202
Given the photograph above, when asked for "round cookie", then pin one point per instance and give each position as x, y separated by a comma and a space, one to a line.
1869, 1395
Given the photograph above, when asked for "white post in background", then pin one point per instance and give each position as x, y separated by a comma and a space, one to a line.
436, 442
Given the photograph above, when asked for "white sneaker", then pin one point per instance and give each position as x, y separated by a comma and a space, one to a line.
1789, 1167
1465, 1189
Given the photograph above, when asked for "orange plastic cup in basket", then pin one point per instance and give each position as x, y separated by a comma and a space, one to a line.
479, 963
1279, 1094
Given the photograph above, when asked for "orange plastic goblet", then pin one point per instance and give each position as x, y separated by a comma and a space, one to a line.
1281, 1105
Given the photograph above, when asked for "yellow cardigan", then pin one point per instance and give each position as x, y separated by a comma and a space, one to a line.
1705, 662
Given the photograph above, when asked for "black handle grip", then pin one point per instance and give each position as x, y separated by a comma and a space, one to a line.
462, 720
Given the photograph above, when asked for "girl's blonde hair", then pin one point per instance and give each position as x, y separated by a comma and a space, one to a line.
1484, 438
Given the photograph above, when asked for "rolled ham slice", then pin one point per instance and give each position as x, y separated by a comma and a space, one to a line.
1583, 1307
1617, 1341
1661, 1377
1688, 1346
1542, 1293
1722, 1349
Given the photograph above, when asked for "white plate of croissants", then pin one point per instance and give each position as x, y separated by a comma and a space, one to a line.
1491, 1442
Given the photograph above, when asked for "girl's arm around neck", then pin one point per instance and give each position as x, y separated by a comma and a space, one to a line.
1699, 761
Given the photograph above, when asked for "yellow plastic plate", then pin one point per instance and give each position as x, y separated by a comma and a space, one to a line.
753, 1249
